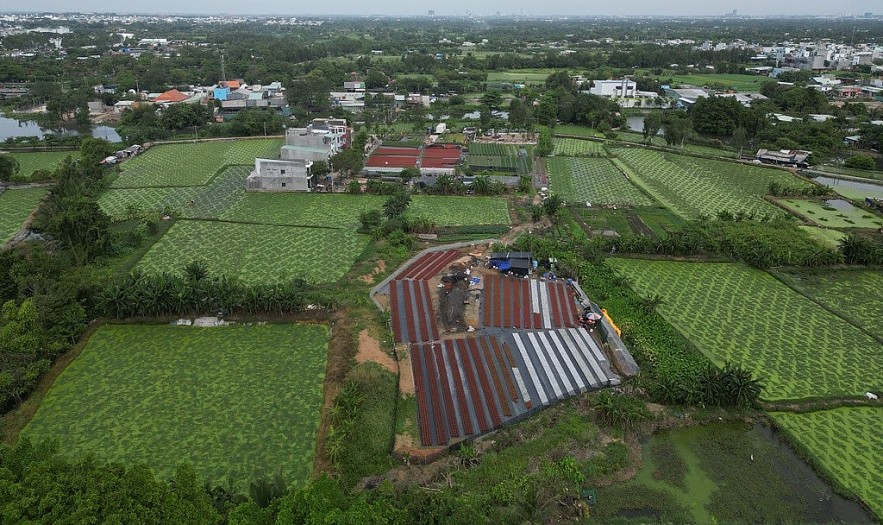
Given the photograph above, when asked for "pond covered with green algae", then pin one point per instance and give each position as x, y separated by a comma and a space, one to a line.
725, 472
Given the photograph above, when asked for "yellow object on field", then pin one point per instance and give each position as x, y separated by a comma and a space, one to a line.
610, 320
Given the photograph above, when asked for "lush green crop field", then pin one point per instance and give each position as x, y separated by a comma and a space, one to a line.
846, 216
239, 402
846, 443
825, 236
735, 313
45, 160
526, 76
735, 81
578, 148
460, 211
15, 206
191, 164
692, 187
575, 130
257, 253
856, 294
493, 149
594, 180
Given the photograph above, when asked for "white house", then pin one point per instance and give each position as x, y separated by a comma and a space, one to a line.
624, 91
281, 175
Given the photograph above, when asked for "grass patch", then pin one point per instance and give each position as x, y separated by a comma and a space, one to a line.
192, 163
256, 253
844, 443
592, 180
735, 313
15, 206
239, 402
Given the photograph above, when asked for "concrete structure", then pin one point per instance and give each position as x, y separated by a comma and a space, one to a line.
281, 175
625, 92
795, 158
320, 140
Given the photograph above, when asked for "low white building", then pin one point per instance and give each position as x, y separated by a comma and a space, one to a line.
624, 91
281, 175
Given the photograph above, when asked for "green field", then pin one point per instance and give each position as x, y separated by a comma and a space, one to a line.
44, 160
238, 402
846, 443
845, 215
523, 76
732, 312
225, 198
568, 147
15, 206
191, 164
855, 294
495, 156
575, 130
825, 236
594, 180
256, 253
692, 187
735, 81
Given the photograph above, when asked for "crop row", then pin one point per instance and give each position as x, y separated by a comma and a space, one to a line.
592, 180
129, 394
845, 443
15, 206
519, 165
191, 164
28, 163
691, 187
578, 148
256, 253
493, 149
735, 313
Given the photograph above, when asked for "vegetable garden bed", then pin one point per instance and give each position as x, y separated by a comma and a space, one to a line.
15, 206
592, 180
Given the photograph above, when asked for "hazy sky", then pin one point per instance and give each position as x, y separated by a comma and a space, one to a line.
452, 7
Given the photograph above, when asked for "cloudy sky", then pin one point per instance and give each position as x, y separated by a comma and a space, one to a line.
454, 7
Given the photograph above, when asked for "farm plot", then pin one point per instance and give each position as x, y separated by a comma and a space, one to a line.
256, 253
693, 187
853, 293
461, 211
574, 130
592, 180
845, 443
191, 164
15, 206
336, 210
44, 160
735, 313
568, 147
239, 402
834, 213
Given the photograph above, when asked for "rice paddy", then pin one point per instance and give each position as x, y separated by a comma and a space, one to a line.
15, 207
239, 402
735, 313
594, 180
845, 442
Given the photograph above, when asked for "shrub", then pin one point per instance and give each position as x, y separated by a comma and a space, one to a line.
862, 162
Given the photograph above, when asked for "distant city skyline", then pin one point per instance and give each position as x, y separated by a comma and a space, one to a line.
461, 7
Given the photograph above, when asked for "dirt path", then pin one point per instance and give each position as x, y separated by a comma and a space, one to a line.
370, 351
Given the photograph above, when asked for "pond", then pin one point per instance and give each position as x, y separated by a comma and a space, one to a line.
852, 189
840, 205
10, 127
733, 472
636, 123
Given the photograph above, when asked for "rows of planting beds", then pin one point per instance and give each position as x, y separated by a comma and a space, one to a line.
692, 187
239, 402
735, 313
592, 180
844, 442
569, 147
191, 164
856, 294
15, 206
510, 302
256, 253
29, 162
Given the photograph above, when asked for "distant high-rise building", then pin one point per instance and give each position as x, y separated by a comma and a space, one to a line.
432, 12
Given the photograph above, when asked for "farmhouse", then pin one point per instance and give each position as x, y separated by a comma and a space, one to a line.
281, 175
795, 158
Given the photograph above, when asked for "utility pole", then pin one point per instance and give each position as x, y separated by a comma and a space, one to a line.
223, 68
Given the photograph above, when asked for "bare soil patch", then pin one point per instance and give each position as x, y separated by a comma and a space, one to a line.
370, 351
406, 375
368, 278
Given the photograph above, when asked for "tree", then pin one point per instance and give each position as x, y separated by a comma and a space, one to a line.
253, 122
862, 162
375, 79
8, 167
408, 174
677, 128
740, 138
492, 99
94, 150
82, 227
652, 125
545, 145
396, 205
319, 168
717, 116
348, 161
552, 204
